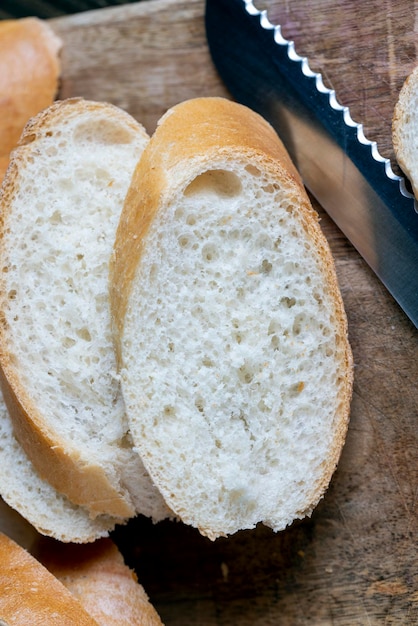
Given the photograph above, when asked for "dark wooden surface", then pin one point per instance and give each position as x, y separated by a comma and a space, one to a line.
355, 562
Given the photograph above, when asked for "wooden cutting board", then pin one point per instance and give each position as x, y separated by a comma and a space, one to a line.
355, 562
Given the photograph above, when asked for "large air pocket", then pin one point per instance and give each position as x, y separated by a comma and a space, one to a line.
220, 182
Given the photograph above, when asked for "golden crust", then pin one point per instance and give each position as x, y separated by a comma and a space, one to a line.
30, 594
29, 74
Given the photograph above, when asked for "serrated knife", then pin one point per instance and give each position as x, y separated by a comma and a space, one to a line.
342, 169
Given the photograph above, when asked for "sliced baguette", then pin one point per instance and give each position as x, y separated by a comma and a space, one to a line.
30, 594
48, 511
29, 73
230, 328
405, 129
98, 577
60, 204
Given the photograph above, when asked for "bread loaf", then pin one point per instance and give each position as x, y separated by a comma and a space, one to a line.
405, 129
230, 328
60, 204
98, 577
29, 594
65, 584
29, 73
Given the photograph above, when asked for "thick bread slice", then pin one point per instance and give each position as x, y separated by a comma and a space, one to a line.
232, 337
30, 594
50, 512
29, 73
98, 577
60, 204
405, 129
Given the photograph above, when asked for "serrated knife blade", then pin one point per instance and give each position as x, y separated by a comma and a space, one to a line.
342, 169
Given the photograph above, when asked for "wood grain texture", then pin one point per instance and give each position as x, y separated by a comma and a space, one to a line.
144, 57
355, 561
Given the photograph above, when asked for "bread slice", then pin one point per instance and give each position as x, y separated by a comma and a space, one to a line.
29, 74
405, 129
60, 204
48, 511
98, 577
30, 594
232, 337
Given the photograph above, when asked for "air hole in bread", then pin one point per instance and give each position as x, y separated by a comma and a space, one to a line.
266, 266
68, 342
209, 252
183, 241
253, 170
288, 302
26, 139
207, 362
83, 333
245, 373
275, 342
56, 217
299, 323
52, 151
197, 311
270, 188
238, 337
220, 182
199, 405
102, 131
